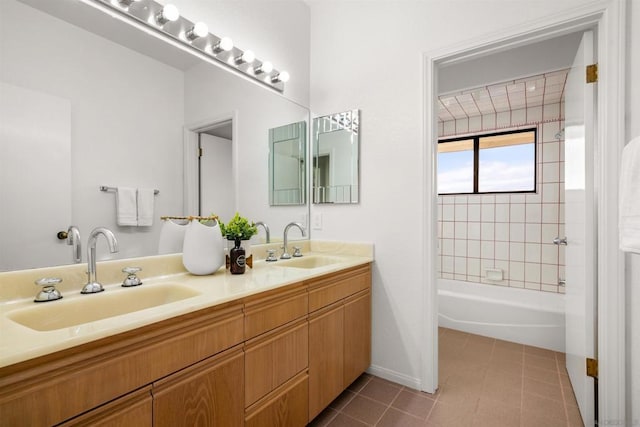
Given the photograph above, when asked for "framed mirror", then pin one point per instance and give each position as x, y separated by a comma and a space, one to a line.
287, 164
336, 158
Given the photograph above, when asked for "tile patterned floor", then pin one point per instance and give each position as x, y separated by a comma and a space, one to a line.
483, 382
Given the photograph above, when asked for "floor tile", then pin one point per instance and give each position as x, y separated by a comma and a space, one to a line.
445, 415
395, 418
413, 403
552, 377
540, 352
547, 408
324, 418
364, 409
491, 413
360, 382
382, 391
340, 401
342, 420
540, 362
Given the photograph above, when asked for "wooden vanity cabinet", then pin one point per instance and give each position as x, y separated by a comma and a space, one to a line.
339, 334
276, 358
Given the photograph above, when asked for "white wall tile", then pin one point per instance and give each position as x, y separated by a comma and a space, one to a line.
532, 286
487, 250
533, 213
549, 131
549, 288
448, 212
549, 213
549, 254
551, 172
475, 124
448, 230
489, 121
532, 233
532, 273
488, 212
517, 198
502, 231
487, 231
516, 270
550, 193
549, 232
516, 232
516, 212
460, 230
447, 264
502, 250
503, 119
449, 128
460, 247
460, 276
460, 199
551, 152
473, 266
550, 112
462, 126
534, 114
461, 212
473, 248
502, 198
473, 231
447, 247
549, 274
518, 117
502, 212
460, 265
534, 197
532, 252
473, 213
516, 251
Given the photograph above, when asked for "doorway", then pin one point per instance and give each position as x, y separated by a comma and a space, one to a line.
606, 18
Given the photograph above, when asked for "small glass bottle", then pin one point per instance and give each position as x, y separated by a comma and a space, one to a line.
237, 258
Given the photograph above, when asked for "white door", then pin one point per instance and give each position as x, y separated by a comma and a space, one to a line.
580, 227
217, 193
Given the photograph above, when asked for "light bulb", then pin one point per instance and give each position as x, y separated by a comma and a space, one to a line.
282, 77
248, 56
225, 44
168, 13
265, 67
200, 29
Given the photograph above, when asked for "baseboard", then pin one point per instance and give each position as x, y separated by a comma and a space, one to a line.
394, 376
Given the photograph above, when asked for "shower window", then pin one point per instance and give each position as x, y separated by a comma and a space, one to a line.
503, 162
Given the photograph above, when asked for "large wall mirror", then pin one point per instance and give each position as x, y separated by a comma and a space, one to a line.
88, 101
336, 158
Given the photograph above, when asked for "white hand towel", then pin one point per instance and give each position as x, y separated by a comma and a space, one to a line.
630, 197
145, 206
126, 206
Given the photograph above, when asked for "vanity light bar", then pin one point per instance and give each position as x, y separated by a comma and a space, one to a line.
165, 20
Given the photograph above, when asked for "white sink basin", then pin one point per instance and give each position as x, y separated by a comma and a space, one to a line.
75, 311
311, 261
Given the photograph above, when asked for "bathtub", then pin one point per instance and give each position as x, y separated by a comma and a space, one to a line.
511, 314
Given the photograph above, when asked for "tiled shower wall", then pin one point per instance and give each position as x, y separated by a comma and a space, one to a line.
510, 232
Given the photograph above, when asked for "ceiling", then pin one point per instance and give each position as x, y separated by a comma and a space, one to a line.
534, 91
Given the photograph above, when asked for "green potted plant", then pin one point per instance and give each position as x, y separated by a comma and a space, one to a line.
237, 229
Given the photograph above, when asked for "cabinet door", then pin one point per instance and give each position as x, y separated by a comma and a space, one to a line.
288, 408
133, 409
326, 354
357, 336
209, 393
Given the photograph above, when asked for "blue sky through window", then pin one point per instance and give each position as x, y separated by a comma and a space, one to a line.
509, 168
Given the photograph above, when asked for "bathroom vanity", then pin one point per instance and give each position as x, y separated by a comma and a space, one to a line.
272, 347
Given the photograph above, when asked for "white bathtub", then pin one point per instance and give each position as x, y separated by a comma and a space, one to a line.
511, 314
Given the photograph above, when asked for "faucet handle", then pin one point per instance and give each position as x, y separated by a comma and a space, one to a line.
49, 291
271, 255
131, 279
296, 251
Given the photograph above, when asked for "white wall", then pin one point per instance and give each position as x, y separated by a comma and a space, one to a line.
126, 118
381, 73
277, 31
633, 261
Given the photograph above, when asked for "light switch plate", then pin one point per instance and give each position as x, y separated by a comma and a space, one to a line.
317, 221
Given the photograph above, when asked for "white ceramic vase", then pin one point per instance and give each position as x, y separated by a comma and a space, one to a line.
203, 250
172, 236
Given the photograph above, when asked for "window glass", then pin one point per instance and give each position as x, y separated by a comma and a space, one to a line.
506, 163
455, 167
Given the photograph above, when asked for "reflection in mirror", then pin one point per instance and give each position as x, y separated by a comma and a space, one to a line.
336, 158
117, 110
287, 164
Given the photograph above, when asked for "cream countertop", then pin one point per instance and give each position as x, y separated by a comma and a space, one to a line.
19, 343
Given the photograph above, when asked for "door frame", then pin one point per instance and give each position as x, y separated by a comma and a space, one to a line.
607, 18
191, 166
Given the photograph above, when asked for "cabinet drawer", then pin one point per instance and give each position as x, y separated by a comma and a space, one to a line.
134, 409
338, 286
274, 358
269, 312
98, 372
208, 393
287, 408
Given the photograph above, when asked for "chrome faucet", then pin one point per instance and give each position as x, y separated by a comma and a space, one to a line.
286, 254
266, 230
92, 285
73, 239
